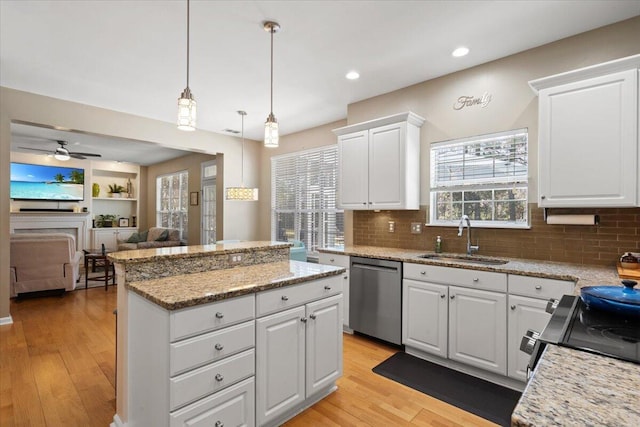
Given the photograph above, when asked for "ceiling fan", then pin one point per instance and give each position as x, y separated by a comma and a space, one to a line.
63, 153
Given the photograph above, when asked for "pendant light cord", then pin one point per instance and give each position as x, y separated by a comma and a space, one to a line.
272, 31
187, 44
242, 156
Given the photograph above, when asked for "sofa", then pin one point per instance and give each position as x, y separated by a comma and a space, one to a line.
155, 237
43, 262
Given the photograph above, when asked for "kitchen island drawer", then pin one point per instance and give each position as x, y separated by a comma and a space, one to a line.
292, 296
333, 259
201, 382
539, 287
208, 317
233, 406
207, 348
477, 279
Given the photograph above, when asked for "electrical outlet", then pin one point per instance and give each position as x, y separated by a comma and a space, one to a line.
416, 228
392, 226
235, 258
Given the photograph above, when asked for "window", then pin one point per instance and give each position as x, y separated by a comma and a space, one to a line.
484, 177
303, 198
172, 201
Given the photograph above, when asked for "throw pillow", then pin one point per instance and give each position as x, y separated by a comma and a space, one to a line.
143, 236
134, 238
163, 236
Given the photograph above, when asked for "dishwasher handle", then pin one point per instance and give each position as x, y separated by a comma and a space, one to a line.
374, 267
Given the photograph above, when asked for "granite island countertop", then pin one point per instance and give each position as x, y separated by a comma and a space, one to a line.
187, 290
575, 388
582, 275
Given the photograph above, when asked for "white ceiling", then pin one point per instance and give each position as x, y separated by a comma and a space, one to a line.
130, 56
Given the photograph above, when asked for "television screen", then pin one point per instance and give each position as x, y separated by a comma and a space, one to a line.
45, 182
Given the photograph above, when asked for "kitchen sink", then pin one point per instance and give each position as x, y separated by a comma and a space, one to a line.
464, 259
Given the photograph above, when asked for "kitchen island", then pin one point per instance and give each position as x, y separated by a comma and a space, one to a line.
207, 332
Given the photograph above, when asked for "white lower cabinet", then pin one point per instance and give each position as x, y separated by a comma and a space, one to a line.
478, 328
109, 237
425, 316
340, 261
528, 297
299, 352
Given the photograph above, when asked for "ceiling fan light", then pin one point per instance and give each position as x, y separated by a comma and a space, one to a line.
271, 136
186, 111
61, 156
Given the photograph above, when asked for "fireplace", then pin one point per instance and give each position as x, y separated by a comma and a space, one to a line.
75, 224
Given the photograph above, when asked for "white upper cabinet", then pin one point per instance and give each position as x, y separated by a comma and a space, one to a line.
379, 163
588, 136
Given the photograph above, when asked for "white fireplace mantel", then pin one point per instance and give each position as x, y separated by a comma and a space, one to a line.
69, 222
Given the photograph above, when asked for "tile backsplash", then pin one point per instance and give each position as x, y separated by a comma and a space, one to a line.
602, 244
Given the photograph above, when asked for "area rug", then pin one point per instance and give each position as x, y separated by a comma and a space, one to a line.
487, 400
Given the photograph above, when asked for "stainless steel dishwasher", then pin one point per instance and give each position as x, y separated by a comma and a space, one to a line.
375, 298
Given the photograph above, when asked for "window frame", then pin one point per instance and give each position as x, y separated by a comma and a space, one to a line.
183, 209
519, 181
323, 225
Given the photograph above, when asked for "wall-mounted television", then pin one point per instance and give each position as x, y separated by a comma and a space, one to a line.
46, 182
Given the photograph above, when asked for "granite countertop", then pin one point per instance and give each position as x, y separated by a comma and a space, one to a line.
582, 275
575, 388
195, 251
176, 292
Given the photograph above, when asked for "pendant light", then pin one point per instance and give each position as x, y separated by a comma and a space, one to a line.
271, 125
186, 103
242, 193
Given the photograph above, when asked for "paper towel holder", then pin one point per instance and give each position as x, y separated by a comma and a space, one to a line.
545, 214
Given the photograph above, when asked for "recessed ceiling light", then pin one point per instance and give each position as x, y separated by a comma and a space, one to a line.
353, 75
461, 51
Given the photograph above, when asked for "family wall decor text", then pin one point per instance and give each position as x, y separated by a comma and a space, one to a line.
471, 101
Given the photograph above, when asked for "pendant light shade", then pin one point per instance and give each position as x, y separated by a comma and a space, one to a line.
271, 136
186, 103
242, 193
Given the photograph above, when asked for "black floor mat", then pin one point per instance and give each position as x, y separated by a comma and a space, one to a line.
483, 398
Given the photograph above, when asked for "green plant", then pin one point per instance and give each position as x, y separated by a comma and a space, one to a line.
106, 220
115, 188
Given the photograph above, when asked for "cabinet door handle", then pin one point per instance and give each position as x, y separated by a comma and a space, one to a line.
218, 424
327, 288
513, 307
442, 295
345, 277
285, 298
452, 296
543, 197
219, 346
364, 203
303, 319
219, 377
312, 316
219, 315
538, 287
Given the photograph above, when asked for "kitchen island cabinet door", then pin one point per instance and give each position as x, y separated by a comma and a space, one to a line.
524, 313
588, 142
425, 316
280, 363
323, 343
478, 328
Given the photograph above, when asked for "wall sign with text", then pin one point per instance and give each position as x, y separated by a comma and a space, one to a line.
472, 101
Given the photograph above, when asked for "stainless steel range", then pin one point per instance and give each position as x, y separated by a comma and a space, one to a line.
574, 325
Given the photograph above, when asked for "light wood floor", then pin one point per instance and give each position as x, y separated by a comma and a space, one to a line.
57, 368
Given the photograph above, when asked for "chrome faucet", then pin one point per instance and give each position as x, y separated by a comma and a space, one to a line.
470, 248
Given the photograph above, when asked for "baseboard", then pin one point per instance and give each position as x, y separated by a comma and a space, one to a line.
6, 320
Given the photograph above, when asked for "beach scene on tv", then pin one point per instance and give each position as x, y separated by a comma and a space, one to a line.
43, 182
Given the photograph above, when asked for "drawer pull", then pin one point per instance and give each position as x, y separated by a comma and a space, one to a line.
538, 287
219, 377
345, 277
219, 315
327, 288
332, 260
475, 279
303, 319
312, 316
423, 273
219, 346
218, 424
285, 298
